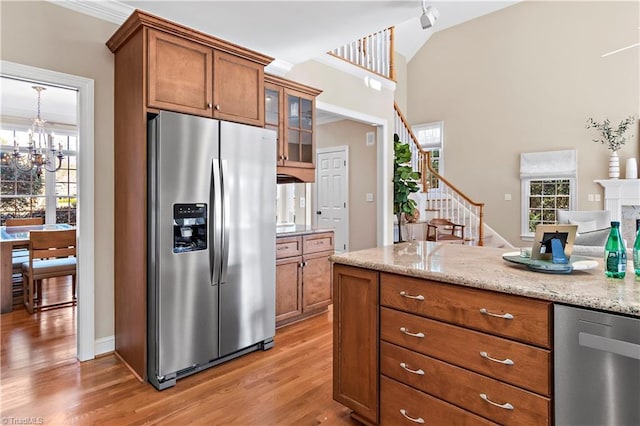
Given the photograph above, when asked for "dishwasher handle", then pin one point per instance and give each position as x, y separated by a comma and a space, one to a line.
607, 344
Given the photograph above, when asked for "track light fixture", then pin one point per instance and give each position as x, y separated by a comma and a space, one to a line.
429, 16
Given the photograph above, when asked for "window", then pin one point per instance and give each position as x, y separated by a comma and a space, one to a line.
548, 181
23, 194
430, 137
546, 196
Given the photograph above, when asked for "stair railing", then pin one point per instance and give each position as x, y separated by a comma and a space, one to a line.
373, 53
441, 196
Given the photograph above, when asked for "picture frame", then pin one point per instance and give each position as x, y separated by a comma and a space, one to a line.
541, 249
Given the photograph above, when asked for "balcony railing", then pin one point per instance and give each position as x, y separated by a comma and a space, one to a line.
373, 52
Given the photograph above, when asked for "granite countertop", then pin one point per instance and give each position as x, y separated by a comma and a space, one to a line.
293, 230
483, 267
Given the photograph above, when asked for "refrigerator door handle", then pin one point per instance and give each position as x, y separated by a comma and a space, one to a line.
225, 221
215, 230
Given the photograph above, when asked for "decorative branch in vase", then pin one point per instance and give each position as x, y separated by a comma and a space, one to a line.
613, 138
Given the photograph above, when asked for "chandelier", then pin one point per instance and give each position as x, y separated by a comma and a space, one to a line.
41, 153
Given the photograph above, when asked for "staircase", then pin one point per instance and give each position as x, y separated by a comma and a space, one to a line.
439, 198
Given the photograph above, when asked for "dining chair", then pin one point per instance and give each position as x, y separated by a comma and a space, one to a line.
52, 254
19, 255
24, 221
443, 230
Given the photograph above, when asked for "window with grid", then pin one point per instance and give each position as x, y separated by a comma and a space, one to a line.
53, 194
431, 138
546, 197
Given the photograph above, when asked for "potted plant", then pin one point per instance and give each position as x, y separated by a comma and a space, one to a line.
405, 182
613, 138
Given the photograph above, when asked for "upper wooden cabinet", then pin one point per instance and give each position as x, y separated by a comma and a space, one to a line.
194, 73
180, 74
290, 110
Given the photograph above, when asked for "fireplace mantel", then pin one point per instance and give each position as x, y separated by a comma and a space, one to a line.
619, 193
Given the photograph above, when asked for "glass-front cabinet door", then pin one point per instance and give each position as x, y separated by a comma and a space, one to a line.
273, 119
299, 147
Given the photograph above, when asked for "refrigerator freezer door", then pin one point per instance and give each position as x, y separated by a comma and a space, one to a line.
247, 289
184, 299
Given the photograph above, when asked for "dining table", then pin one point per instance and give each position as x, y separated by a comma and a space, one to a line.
15, 237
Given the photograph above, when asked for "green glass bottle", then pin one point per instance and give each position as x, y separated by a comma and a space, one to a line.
615, 255
636, 250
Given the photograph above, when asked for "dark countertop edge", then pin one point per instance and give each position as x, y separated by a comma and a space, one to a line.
465, 282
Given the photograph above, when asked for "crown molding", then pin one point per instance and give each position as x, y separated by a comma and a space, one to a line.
278, 67
107, 10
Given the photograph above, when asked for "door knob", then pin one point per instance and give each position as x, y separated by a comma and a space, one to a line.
318, 212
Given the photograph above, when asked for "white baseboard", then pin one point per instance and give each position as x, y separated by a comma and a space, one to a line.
105, 345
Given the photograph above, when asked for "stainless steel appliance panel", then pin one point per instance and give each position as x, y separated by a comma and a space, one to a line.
247, 289
187, 305
597, 368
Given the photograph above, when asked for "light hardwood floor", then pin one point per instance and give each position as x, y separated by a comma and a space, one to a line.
290, 384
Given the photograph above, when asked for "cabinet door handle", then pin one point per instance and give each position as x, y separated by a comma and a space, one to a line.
484, 311
408, 333
209, 105
218, 107
409, 296
408, 417
419, 372
505, 406
506, 361
286, 157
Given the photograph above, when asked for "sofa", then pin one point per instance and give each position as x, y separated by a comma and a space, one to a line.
594, 227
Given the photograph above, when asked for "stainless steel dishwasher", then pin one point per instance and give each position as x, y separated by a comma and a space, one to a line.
597, 368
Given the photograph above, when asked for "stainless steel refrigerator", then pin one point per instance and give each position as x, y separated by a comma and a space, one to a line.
212, 214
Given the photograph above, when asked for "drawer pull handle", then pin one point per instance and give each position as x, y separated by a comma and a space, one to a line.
484, 311
419, 372
408, 333
507, 361
409, 296
505, 406
408, 417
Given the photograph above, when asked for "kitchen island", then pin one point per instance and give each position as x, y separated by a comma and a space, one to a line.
453, 334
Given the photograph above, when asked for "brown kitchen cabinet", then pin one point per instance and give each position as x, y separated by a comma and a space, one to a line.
423, 335
290, 110
186, 76
160, 65
303, 276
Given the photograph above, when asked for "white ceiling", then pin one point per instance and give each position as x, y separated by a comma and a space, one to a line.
290, 31
296, 31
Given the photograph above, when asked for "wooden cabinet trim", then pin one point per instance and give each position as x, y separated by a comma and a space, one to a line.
355, 328
283, 82
139, 18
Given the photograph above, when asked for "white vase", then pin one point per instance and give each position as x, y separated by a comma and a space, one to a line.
631, 171
614, 165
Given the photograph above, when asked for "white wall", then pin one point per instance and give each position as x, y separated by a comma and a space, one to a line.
525, 79
43, 35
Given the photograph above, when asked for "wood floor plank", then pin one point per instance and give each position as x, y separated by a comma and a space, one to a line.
290, 384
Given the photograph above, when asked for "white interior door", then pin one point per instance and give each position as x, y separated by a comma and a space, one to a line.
332, 194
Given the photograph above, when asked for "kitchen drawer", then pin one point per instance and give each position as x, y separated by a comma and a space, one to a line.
484, 396
288, 246
315, 243
403, 405
519, 318
516, 363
